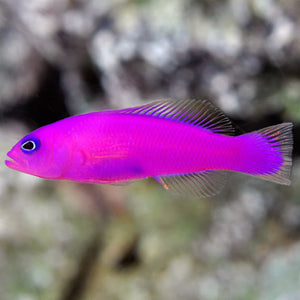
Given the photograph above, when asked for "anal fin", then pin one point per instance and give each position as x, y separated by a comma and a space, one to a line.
200, 184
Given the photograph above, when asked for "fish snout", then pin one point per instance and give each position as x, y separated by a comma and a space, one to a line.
15, 162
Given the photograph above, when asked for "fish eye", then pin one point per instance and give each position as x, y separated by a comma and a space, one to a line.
30, 144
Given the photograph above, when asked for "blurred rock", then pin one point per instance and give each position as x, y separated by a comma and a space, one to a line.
279, 278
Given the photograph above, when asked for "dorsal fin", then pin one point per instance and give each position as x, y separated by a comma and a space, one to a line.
200, 184
196, 112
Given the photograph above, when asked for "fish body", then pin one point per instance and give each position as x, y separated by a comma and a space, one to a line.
186, 145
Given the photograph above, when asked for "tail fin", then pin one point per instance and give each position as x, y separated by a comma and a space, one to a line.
275, 144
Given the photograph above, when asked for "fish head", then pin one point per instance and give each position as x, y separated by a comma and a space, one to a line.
43, 153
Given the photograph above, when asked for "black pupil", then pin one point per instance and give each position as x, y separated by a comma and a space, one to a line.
28, 145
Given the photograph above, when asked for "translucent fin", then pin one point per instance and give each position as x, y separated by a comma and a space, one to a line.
196, 112
280, 137
201, 184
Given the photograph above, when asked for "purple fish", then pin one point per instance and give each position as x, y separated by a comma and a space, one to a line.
186, 145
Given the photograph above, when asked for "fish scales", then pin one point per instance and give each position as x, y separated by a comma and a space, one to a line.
157, 146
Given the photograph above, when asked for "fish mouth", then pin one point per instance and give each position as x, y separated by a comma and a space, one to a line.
13, 163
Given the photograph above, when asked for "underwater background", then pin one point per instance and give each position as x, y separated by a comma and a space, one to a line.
65, 240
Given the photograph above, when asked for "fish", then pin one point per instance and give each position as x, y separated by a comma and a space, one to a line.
188, 146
